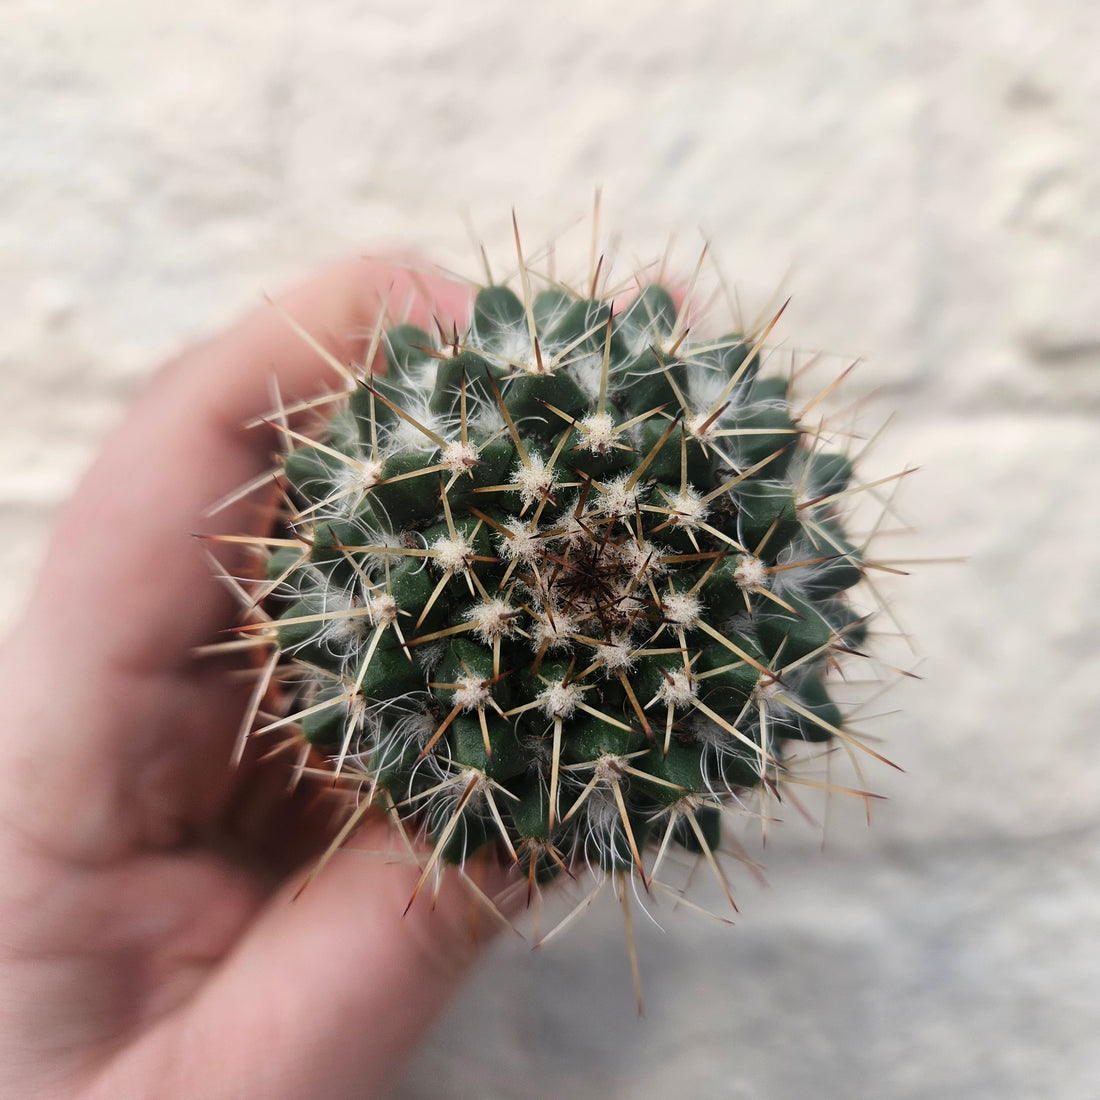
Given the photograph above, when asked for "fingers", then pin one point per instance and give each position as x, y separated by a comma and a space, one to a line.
330, 992
116, 736
354, 981
123, 568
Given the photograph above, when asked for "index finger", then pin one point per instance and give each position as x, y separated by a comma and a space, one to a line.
123, 544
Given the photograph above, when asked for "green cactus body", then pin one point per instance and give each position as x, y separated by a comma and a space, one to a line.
567, 586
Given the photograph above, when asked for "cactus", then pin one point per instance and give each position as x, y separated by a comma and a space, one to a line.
566, 584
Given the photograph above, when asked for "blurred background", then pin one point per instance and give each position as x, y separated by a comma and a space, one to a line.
924, 179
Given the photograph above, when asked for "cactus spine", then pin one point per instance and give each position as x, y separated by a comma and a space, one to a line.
569, 583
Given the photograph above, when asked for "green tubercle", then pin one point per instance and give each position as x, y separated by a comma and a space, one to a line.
566, 582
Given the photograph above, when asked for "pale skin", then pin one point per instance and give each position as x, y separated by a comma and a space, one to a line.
150, 942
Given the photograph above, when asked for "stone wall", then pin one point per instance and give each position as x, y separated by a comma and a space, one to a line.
924, 179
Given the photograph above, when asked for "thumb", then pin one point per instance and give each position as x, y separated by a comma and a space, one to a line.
331, 990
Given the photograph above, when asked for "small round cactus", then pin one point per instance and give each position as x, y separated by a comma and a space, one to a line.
567, 583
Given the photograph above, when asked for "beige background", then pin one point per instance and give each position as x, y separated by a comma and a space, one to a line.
924, 178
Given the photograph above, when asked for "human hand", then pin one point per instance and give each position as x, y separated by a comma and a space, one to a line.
149, 945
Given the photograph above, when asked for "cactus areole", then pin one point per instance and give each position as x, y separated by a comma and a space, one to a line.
570, 583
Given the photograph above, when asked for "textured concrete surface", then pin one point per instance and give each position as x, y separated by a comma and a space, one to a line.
924, 179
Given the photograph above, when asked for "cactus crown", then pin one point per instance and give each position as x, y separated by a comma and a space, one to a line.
568, 583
